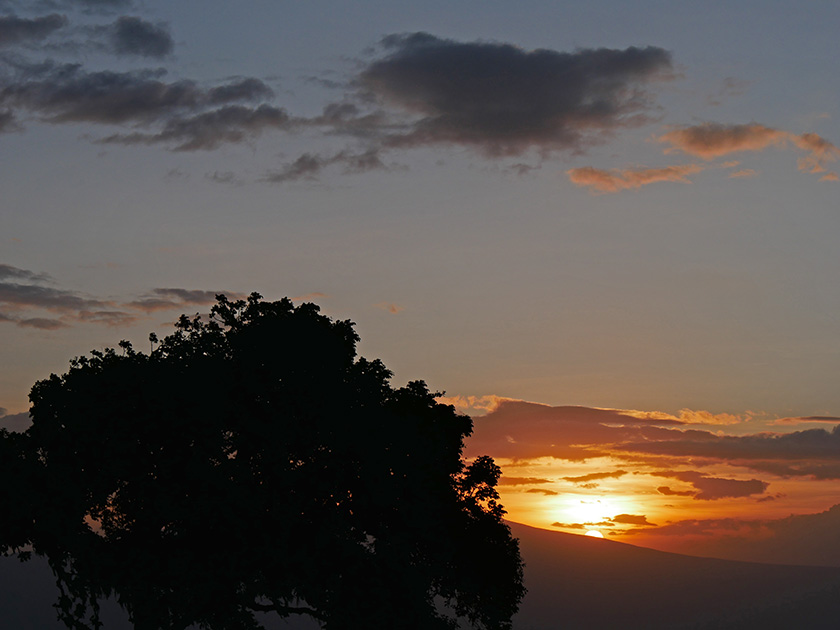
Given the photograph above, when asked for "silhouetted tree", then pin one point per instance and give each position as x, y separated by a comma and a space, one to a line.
250, 463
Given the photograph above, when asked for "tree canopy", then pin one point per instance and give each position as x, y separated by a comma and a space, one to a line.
252, 462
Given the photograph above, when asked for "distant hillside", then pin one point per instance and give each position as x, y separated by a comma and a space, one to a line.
574, 583
577, 582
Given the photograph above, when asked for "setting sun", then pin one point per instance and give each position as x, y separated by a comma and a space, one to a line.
594, 533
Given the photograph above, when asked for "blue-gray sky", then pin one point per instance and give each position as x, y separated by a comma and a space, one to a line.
628, 205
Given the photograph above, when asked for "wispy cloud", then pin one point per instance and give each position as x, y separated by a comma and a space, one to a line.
712, 140
26, 295
614, 180
390, 307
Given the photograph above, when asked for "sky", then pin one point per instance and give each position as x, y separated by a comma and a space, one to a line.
607, 227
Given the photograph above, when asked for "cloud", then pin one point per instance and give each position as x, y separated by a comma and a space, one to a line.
569, 525
67, 93
18, 300
109, 318
548, 493
15, 422
42, 323
209, 130
712, 140
812, 444
51, 299
8, 271
744, 172
596, 476
503, 100
390, 307
523, 430
522, 481
713, 488
612, 181
630, 519
188, 116
700, 416
804, 419
474, 405
830, 177
173, 298
135, 36
666, 490
310, 165
15, 30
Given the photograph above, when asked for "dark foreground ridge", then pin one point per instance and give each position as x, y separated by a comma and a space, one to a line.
574, 583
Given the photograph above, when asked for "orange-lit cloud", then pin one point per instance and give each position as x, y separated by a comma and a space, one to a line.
596, 476
804, 419
474, 405
523, 430
744, 172
390, 307
614, 180
713, 140
522, 481
548, 493
689, 416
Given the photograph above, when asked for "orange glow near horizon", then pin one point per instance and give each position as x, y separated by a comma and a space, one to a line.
656, 480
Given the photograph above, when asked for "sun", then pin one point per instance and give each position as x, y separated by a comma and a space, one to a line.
594, 533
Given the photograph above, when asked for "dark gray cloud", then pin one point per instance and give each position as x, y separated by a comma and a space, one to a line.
8, 271
20, 302
246, 89
48, 298
713, 488
596, 476
666, 490
68, 93
630, 519
134, 36
173, 298
7, 121
42, 323
188, 116
16, 30
503, 100
811, 444
309, 165
209, 130
109, 318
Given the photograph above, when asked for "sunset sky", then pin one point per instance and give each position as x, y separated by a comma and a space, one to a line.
607, 230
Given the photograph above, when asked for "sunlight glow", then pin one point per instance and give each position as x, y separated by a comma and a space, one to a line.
594, 533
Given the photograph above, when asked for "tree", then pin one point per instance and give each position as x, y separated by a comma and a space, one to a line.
251, 462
